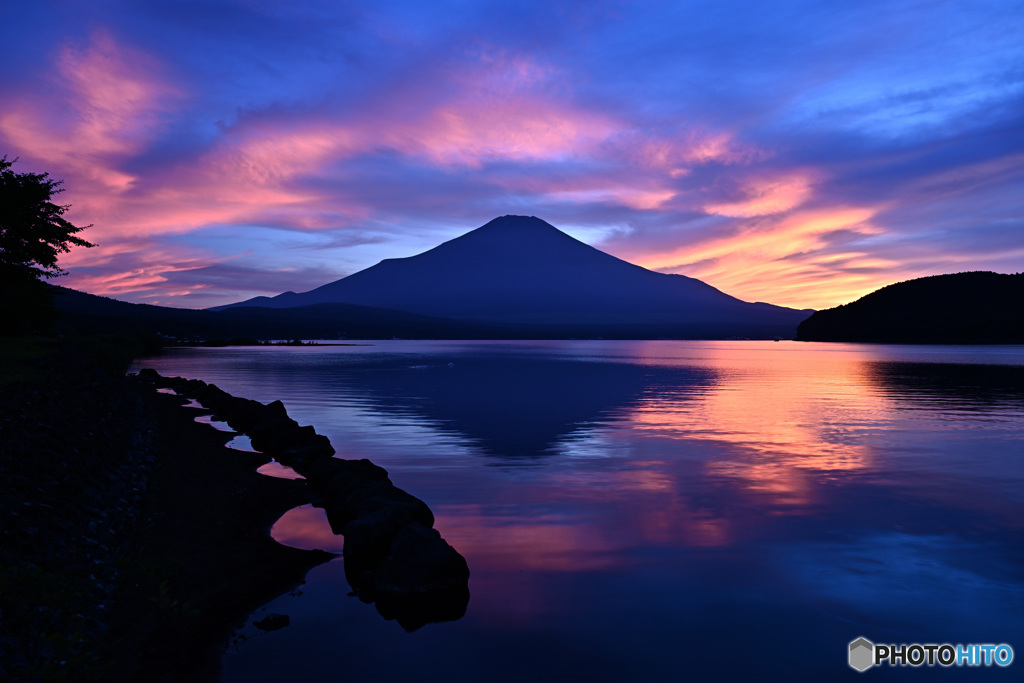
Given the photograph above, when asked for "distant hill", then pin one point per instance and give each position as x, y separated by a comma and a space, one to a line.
89, 313
520, 272
961, 308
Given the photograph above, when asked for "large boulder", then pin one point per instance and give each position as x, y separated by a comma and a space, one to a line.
422, 580
420, 562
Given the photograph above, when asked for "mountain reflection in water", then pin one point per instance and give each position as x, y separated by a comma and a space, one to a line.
956, 387
688, 506
518, 407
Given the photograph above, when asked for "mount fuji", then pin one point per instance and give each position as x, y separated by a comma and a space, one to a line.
518, 271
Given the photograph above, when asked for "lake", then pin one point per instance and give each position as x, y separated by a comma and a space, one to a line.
659, 510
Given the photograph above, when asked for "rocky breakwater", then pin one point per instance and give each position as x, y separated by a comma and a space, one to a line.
393, 555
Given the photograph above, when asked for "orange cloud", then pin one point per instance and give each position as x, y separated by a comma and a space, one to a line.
794, 234
633, 197
694, 147
767, 196
785, 260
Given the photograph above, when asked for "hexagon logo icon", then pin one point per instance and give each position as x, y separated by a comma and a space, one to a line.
862, 654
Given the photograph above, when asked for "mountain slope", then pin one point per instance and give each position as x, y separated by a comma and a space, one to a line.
521, 270
960, 308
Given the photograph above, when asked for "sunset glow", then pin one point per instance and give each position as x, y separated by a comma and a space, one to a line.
301, 146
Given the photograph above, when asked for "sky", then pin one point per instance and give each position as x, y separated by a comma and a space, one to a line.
795, 152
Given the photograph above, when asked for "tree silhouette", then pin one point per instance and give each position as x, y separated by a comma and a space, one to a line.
33, 234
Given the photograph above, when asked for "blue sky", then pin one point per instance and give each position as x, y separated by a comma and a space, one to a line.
801, 153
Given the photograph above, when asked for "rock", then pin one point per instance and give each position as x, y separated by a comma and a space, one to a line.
194, 388
242, 414
272, 622
289, 438
420, 562
393, 556
301, 457
423, 580
334, 477
369, 538
267, 432
275, 409
369, 500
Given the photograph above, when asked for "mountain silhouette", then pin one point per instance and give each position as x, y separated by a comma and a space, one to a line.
519, 270
977, 307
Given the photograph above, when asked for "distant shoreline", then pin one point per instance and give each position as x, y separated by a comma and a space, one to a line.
216, 344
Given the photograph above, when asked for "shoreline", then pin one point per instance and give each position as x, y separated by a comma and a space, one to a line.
174, 617
392, 554
134, 541
137, 543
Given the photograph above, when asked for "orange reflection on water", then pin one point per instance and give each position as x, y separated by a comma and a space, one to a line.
545, 542
648, 506
634, 510
790, 418
783, 484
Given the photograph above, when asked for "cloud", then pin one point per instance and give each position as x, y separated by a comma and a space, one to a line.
784, 260
112, 105
766, 196
182, 276
783, 154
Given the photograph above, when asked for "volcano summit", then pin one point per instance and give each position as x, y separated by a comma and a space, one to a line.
522, 272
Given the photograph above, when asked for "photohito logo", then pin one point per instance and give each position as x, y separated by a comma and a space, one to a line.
864, 654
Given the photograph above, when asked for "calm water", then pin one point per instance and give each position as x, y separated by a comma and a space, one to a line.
661, 511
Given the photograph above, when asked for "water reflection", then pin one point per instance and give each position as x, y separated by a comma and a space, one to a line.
956, 388
219, 425
697, 493
279, 471
307, 527
517, 407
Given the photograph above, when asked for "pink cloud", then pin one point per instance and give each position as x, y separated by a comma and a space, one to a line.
504, 109
111, 102
768, 195
471, 134
678, 153
122, 267
115, 98
108, 106
635, 197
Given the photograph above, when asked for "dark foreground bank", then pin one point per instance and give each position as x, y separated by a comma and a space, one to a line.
133, 541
